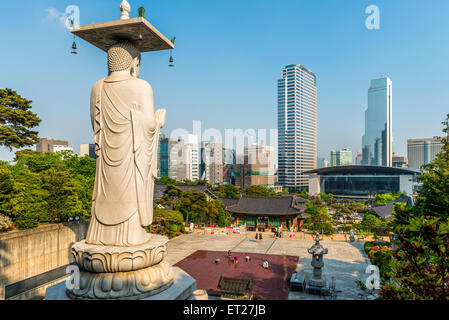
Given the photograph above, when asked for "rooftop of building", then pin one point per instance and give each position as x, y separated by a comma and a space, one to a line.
363, 170
266, 206
160, 188
386, 211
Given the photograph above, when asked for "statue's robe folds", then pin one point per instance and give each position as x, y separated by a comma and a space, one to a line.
126, 146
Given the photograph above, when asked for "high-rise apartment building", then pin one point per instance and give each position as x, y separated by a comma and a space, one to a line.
422, 151
257, 167
297, 123
179, 159
377, 142
211, 162
341, 157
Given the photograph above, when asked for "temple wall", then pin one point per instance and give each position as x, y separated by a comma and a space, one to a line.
27, 253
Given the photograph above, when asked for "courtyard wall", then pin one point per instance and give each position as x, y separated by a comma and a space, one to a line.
28, 253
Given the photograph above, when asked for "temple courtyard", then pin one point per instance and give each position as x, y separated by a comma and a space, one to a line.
346, 261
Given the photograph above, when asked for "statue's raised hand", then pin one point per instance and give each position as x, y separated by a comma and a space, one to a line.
160, 117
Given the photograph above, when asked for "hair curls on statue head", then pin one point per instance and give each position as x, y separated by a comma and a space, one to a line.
121, 56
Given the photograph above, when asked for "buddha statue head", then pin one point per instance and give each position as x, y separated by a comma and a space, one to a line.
124, 56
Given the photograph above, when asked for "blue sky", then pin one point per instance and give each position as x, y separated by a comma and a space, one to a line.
229, 55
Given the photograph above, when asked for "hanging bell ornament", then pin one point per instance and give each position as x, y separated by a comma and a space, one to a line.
74, 48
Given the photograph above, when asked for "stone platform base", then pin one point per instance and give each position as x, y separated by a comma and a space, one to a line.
181, 289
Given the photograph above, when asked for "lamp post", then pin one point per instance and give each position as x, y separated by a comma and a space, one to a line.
317, 283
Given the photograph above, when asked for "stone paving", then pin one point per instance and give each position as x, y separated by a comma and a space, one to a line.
345, 261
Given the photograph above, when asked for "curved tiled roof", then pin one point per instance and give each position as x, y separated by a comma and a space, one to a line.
269, 206
229, 202
386, 211
160, 188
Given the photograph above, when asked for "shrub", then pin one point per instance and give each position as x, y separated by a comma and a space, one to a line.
5, 223
27, 221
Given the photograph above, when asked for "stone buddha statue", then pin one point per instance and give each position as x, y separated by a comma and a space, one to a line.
126, 130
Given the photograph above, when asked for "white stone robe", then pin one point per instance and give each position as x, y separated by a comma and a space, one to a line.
126, 146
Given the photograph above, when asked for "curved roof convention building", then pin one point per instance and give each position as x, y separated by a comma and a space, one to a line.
361, 181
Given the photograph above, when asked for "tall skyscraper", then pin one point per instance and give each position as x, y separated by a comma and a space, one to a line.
377, 142
341, 157
191, 153
228, 166
296, 126
422, 151
211, 162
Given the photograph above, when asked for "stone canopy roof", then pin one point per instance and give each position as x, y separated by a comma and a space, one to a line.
266, 206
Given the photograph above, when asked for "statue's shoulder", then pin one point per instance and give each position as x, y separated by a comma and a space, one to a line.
142, 84
97, 85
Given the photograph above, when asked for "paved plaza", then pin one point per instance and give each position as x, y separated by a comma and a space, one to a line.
345, 261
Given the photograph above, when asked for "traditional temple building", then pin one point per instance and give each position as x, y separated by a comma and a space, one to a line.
267, 213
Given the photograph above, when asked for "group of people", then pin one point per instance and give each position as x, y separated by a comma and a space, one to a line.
277, 234
235, 260
258, 236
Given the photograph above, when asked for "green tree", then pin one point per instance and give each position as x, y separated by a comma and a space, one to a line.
217, 214
16, 121
193, 205
63, 201
166, 180
383, 199
28, 201
319, 219
261, 191
370, 222
420, 265
303, 194
46, 187
227, 191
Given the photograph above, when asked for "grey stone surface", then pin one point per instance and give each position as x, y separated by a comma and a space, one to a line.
182, 288
346, 261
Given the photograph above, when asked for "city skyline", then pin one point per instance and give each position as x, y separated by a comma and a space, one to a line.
234, 55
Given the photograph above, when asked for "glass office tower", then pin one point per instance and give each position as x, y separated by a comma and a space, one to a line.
296, 126
377, 142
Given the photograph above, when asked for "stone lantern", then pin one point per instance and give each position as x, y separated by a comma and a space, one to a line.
317, 283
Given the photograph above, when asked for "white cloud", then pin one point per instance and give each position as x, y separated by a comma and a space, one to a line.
54, 14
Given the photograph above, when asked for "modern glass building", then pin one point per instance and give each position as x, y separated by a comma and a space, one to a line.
297, 121
163, 167
228, 166
377, 142
341, 157
362, 181
422, 151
